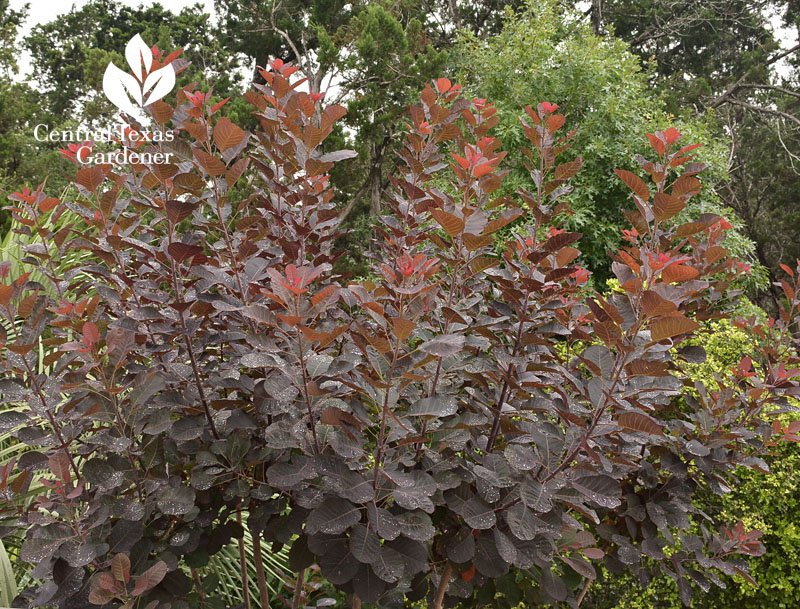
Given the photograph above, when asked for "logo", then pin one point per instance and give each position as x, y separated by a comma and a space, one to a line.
130, 93
141, 88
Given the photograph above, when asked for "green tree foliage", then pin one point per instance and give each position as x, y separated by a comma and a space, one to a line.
726, 59
697, 48
599, 84
765, 176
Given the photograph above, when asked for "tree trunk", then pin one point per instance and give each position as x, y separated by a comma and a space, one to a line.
376, 158
597, 16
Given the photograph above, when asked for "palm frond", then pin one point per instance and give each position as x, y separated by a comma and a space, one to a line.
8, 580
225, 566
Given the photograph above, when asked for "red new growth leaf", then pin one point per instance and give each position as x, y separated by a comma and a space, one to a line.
672, 135
198, 98
419, 263
443, 85
686, 149
219, 105
580, 276
484, 168
297, 278
91, 335
294, 280
631, 235
172, 57
405, 264
656, 143
23, 195
78, 153
461, 160
745, 367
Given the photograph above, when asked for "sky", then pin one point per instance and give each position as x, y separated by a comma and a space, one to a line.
43, 11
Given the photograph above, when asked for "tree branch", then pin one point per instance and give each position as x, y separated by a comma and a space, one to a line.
765, 110
770, 88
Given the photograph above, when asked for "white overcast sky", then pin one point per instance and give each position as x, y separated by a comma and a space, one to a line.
44, 11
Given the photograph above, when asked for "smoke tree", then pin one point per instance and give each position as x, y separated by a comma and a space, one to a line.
470, 410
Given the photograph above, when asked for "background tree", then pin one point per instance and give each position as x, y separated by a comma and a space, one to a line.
726, 58
598, 83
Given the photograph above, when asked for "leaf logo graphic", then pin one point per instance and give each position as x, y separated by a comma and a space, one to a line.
143, 87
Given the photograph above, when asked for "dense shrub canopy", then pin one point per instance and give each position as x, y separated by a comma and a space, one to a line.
468, 410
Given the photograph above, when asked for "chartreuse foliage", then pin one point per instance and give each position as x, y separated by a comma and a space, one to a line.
766, 502
769, 503
417, 436
602, 89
